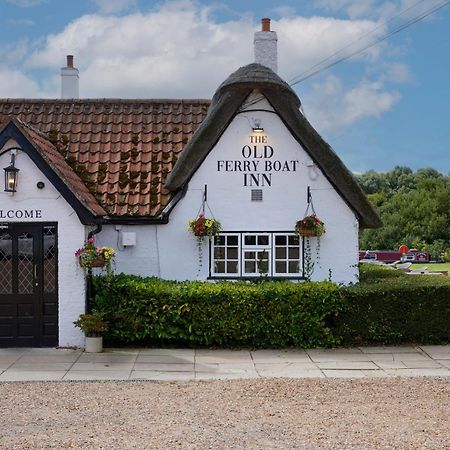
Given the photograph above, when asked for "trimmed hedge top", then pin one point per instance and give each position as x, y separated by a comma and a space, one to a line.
272, 314
386, 307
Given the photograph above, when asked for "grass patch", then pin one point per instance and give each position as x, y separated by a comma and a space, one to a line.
373, 274
433, 267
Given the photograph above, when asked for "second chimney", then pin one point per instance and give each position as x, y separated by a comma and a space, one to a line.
265, 43
69, 80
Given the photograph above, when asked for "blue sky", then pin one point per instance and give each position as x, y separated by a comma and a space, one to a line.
384, 108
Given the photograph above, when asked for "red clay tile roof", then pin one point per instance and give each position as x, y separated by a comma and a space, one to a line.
123, 150
56, 161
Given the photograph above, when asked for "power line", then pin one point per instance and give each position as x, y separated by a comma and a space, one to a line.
386, 22
302, 77
377, 41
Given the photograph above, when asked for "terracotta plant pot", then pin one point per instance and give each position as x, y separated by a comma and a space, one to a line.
94, 344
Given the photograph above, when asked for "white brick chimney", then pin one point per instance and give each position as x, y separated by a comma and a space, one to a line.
265, 43
69, 80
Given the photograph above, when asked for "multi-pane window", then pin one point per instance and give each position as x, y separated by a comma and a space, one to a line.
256, 254
225, 255
287, 254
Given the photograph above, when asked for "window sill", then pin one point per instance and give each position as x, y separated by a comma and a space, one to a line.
237, 278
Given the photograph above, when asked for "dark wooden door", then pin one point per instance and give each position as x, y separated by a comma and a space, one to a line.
28, 285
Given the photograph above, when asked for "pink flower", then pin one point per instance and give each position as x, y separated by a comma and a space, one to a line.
90, 240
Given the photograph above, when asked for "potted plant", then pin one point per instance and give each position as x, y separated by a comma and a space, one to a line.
91, 256
310, 226
92, 325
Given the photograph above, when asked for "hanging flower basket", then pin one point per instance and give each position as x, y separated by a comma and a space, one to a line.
310, 226
90, 256
202, 227
98, 261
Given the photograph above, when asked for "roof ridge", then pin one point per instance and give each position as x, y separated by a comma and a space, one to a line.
37, 131
105, 100
230, 96
103, 138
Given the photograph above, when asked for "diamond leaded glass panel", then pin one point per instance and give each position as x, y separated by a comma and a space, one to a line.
26, 263
5, 263
49, 259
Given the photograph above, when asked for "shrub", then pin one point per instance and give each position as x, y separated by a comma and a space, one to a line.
227, 314
92, 325
391, 307
369, 274
386, 307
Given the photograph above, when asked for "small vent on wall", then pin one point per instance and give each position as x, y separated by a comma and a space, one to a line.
257, 195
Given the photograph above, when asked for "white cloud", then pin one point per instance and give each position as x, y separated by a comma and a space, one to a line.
21, 22
330, 106
376, 9
180, 51
284, 11
175, 51
14, 84
353, 8
397, 73
26, 3
12, 55
114, 6
304, 42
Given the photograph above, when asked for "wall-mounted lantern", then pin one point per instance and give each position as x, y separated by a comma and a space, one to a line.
11, 173
257, 127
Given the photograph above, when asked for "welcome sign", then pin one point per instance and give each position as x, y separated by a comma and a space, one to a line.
258, 164
20, 214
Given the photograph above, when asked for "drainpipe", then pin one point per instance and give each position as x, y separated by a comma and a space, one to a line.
97, 230
90, 285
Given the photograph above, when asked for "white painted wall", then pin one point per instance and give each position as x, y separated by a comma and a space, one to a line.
284, 203
141, 259
170, 251
71, 235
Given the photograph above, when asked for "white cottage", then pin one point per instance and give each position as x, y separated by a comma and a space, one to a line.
134, 172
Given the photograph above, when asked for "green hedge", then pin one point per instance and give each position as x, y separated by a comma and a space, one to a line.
391, 307
385, 307
152, 311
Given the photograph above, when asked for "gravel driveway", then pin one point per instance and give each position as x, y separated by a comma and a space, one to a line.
401, 413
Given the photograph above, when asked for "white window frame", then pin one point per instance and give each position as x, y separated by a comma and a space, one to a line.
258, 248
212, 258
271, 249
287, 259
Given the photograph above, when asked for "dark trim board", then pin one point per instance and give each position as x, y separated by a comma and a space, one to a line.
12, 132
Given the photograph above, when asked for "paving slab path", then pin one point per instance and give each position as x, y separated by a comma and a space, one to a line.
204, 364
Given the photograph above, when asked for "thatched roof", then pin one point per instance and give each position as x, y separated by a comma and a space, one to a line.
226, 102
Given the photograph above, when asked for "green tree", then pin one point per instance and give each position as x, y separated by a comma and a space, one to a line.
414, 208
